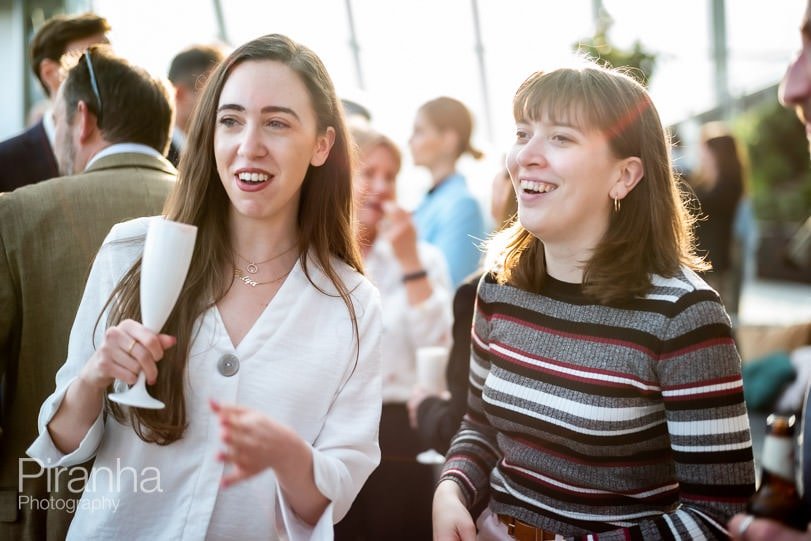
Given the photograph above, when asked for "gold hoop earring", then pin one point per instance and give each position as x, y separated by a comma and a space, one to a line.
616, 204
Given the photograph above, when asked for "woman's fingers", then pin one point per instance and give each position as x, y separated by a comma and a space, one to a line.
235, 476
144, 346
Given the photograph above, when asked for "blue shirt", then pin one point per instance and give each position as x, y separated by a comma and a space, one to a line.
450, 218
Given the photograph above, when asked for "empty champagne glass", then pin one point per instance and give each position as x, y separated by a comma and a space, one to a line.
167, 254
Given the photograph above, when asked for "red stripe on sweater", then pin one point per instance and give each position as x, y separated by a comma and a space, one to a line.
597, 371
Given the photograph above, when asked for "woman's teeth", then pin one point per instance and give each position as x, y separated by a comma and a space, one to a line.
253, 177
537, 187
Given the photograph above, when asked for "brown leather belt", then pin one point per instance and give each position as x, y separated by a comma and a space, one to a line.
521, 531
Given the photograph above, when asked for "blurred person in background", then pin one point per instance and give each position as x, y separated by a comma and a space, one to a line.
436, 418
720, 186
605, 387
187, 73
395, 503
109, 145
449, 217
29, 157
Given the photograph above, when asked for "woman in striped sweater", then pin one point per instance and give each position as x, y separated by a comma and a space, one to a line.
606, 398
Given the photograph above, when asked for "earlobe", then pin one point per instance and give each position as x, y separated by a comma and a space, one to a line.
450, 140
323, 146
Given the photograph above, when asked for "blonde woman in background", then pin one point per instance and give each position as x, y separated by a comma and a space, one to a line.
395, 503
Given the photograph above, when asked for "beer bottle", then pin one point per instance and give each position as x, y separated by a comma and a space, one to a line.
778, 497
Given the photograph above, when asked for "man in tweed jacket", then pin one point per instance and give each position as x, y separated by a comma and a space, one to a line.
112, 127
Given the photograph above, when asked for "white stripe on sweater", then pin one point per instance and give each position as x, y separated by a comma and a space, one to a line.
501, 486
736, 384
570, 407
693, 529
574, 428
712, 448
728, 425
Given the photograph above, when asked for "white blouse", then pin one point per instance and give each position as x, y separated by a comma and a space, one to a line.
407, 327
298, 364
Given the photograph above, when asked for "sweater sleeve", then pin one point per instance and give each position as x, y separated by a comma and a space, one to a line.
700, 376
474, 450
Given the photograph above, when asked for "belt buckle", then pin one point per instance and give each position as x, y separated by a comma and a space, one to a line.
511, 526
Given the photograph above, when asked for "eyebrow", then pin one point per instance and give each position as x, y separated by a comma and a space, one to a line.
560, 123
266, 109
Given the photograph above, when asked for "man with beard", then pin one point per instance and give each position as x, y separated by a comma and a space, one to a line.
112, 125
795, 93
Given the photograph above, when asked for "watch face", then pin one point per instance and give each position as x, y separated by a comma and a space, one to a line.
805, 452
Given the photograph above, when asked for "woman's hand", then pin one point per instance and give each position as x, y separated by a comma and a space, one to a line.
759, 529
127, 349
418, 394
398, 229
451, 519
253, 441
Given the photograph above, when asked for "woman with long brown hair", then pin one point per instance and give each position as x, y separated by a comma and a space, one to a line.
720, 184
605, 387
275, 327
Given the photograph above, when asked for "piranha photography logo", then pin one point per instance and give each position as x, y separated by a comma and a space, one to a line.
98, 489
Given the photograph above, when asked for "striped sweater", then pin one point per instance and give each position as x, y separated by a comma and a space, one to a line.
605, 422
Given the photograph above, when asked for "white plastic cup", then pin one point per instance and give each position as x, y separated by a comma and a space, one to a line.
431, 364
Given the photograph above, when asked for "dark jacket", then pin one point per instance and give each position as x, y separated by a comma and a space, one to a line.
26, 158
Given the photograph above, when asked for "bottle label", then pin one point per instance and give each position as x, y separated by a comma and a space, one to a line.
778, 457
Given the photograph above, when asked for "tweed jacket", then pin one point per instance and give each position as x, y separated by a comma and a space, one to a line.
49, 235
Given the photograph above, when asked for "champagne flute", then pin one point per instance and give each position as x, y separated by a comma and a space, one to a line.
167, 254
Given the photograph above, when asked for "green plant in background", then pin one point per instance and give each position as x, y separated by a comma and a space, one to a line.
601, 49
778, 154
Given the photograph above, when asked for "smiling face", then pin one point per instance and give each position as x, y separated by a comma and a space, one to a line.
266, 138
376, 182
563, 176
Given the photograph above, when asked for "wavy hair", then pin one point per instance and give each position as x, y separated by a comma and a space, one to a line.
652, 234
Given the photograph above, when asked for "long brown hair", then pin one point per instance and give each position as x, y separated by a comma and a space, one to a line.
324, 221
652, 233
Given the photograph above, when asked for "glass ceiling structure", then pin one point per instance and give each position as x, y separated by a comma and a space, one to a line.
393, 55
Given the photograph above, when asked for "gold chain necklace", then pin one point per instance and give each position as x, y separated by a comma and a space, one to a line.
253, 266
248, 281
